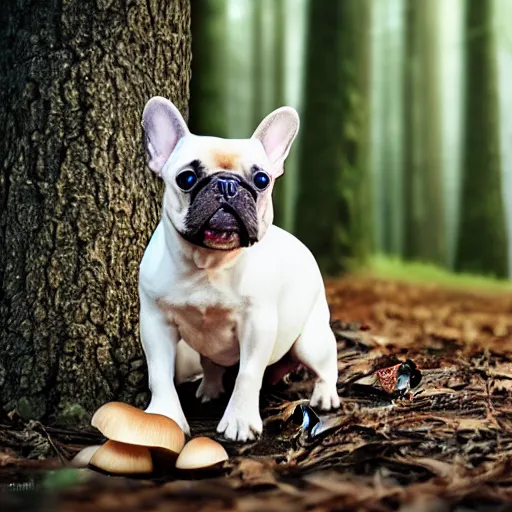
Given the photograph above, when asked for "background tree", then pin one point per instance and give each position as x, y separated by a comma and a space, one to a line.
258, 63
77, 203
332, 177
422, 163
482, 240
411, 141
278, 95
208, 90
387, 126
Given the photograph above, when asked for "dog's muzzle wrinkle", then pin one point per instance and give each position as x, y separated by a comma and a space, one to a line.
224, 220
222, 203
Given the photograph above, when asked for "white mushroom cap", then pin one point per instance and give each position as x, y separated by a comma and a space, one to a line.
126, 424
201, 453
122, 459
83, 457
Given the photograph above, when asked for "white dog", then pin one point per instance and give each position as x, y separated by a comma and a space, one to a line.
218, 276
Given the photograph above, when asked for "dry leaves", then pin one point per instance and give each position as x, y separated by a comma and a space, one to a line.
449, 446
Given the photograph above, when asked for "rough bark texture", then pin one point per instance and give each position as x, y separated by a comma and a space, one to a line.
422, 163
334, 130
77, 203
482, 241
208, 87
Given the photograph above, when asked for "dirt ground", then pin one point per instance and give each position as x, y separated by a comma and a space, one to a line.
447, 445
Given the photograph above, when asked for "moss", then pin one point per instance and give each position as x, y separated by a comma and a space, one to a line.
72, 415
31, 408
54, 481
419, 272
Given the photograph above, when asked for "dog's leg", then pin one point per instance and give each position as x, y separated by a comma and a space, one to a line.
211, 385
159, 341
188, 363
257, 335
316, 349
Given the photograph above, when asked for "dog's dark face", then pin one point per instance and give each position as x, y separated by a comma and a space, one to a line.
221, 199
223, 212
218, 192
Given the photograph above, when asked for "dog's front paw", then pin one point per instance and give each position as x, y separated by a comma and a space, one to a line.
174, 414
325, 396
240, 425
209, 389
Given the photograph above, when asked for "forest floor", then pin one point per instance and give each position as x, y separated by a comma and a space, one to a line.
446, 446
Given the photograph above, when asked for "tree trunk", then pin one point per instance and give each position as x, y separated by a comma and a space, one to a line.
258, 63
482, 241
77, 203
422, 163
278, 97
390, 127
208, 86
334, 135
357, 129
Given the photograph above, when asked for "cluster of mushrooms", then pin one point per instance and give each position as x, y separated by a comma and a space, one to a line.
136, 439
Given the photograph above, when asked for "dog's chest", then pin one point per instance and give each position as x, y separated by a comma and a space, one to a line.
207, 316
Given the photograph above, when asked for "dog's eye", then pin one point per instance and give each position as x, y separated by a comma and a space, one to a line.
186, 179
261, 180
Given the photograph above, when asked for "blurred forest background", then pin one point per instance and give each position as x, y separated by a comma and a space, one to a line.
404, 154
405, 149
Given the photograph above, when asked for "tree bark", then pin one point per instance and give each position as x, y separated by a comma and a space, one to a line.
77, 203
424, 234
482, 240
333, 182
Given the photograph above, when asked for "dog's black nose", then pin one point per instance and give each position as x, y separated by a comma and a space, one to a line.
228, 187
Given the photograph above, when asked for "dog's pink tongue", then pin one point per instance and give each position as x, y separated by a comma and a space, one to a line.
221, 239
216, 236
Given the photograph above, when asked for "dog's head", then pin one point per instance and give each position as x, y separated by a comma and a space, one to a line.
218, 192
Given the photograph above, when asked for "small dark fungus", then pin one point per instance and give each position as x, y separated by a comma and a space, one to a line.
398, 379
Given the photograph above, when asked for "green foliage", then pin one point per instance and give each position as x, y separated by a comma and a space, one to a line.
429, 273
62, 479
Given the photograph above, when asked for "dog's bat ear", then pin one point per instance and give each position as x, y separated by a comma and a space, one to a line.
164, 127
276, 132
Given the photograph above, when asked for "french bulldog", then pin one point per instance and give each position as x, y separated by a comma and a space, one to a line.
218, 282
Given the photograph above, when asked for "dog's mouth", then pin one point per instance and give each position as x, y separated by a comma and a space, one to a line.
223, 231
224, 240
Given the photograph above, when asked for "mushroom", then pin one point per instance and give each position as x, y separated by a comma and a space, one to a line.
126, 424
83, 457
122, 459
201, 453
